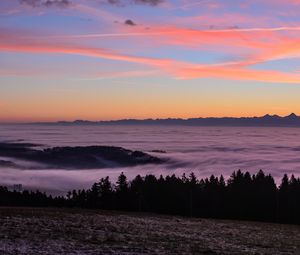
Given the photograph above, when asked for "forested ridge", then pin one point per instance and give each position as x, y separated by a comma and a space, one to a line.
242, 196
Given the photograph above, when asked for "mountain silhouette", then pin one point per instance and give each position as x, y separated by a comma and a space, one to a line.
267, 120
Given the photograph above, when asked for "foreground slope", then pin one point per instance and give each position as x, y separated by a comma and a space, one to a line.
67, 231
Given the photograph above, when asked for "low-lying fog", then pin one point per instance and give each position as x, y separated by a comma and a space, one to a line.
203, 150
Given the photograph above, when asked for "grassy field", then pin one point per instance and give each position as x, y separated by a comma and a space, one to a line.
72, 231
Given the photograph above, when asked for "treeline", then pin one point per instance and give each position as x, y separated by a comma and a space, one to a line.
242, 196
29, 198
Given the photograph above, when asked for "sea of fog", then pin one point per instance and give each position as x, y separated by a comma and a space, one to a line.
202, 150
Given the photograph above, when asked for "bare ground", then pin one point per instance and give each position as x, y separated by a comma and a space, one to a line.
70, 231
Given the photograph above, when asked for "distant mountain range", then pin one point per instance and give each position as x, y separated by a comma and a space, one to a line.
291, 120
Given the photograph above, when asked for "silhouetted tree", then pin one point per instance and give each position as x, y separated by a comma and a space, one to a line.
243, 196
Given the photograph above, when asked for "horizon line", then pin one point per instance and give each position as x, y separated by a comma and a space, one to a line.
144, 119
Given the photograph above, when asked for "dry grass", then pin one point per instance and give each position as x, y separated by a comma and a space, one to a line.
66, 231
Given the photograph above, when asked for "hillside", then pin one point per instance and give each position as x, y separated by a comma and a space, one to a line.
72, 231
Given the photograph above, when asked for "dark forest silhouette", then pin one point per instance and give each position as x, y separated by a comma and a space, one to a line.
242, 196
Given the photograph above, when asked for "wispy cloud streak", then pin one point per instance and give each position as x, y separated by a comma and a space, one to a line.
243, 46
232, 70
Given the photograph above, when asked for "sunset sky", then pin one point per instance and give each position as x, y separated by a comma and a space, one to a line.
115, 59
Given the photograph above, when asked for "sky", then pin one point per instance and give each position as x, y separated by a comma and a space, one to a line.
118, 59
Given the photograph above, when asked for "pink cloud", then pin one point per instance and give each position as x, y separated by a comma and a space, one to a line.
238, 73
238, 70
